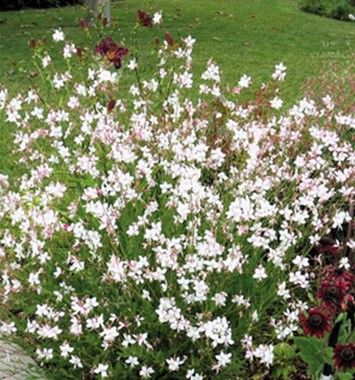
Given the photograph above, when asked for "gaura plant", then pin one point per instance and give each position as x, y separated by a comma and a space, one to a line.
165, 231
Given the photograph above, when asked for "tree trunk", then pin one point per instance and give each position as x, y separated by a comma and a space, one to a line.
97, 6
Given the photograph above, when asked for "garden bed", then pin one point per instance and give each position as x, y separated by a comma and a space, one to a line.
181, 228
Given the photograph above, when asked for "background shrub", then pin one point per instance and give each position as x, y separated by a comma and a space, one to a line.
20, 4
337, 9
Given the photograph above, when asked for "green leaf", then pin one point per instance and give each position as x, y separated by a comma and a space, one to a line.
344, 376
284, 351
345, 331
310, 296
340, 317
284, 372
311, 352
329, 355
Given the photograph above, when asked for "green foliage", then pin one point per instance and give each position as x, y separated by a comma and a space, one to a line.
345, 332
344, 376
316, 353
312, 353
285, 356
337, 9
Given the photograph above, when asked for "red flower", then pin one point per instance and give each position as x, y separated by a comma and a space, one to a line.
344, 356
105, 45
316, 323
145, 19
113, 52
332, 294
340, 277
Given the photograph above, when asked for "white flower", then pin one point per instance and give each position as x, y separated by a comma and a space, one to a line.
265, 354
212, 72
260, 273
44, 354
340, 217
75, 361
247, 341
7, 328
132, 361
58, 35
132, 64
283, 292
192, 375
146, 372
223, 359
255, 316
280, 72
276, 103
301, 262
109, 334
300, 279
189, 41
351, 244
101, 369
33, 278
218, 331
157, 17
73, 102
220, 298
241, 301
328, 102
69, 50
107, 76
175, 363
65, 350
46, 60
344, 263
134, 90
244, 81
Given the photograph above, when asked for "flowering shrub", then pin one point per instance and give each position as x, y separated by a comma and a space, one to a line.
156, 235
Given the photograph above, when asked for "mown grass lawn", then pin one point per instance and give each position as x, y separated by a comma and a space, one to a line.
242, 36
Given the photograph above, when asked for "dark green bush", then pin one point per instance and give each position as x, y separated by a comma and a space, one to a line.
340, 10
312, 6
337, 9
20, 4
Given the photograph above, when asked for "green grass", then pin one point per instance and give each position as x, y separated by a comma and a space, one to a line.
244, 37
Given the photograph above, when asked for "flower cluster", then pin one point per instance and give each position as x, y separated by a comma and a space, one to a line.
153, 234
335, 296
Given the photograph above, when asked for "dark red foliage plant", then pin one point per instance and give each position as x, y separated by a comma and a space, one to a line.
112, 51
145, 19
